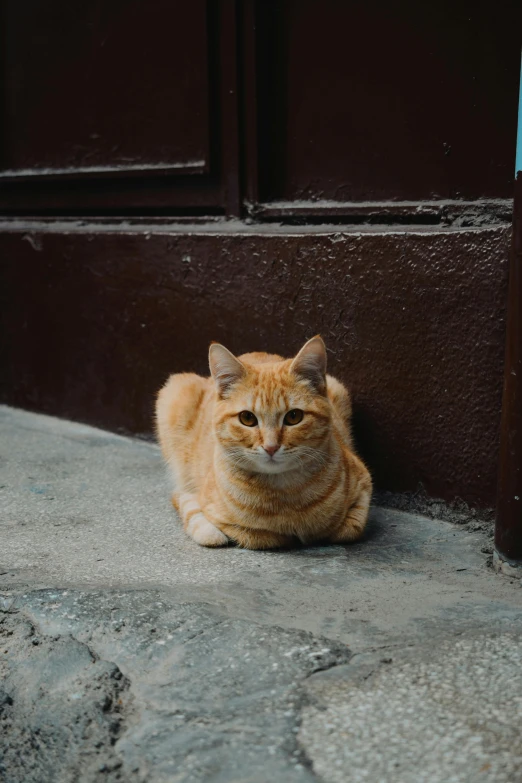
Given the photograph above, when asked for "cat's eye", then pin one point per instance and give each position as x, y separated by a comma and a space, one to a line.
247, 418
293, 417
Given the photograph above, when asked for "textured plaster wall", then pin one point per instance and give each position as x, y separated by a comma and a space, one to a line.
94, 319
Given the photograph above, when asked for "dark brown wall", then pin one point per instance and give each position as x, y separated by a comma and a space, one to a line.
94, 320
398, 114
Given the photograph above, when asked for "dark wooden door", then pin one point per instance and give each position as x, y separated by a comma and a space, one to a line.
172, 107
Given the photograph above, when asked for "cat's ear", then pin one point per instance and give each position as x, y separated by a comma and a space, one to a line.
224, 368
310, 363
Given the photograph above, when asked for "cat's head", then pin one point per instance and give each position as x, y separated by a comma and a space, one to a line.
273, 416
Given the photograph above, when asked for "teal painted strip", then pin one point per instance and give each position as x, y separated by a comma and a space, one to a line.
518, 163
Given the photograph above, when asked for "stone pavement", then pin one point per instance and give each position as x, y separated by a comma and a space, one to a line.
128, 653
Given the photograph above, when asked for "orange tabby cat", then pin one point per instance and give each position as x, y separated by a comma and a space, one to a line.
261, 453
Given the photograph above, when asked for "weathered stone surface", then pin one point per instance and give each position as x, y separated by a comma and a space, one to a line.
452, 713
203, 696
133, 654
61, 707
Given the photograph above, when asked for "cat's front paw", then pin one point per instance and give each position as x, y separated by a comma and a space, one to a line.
204, 532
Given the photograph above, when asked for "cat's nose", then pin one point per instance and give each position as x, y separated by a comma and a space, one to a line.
271, 450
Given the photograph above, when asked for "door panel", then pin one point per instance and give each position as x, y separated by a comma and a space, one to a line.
374, 101
99, 88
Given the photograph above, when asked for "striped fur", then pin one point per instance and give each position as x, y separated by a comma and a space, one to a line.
228, 486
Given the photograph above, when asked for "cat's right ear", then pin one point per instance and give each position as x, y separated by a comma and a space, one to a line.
310, 363
225, 369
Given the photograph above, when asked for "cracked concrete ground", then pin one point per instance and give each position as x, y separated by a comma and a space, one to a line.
128, 653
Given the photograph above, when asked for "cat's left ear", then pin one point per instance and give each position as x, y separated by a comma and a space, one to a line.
310, 363
224, 367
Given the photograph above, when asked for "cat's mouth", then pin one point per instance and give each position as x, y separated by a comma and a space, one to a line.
273, 463
277, 458
255, 461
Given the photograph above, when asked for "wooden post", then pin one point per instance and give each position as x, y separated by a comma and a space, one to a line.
507, 557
